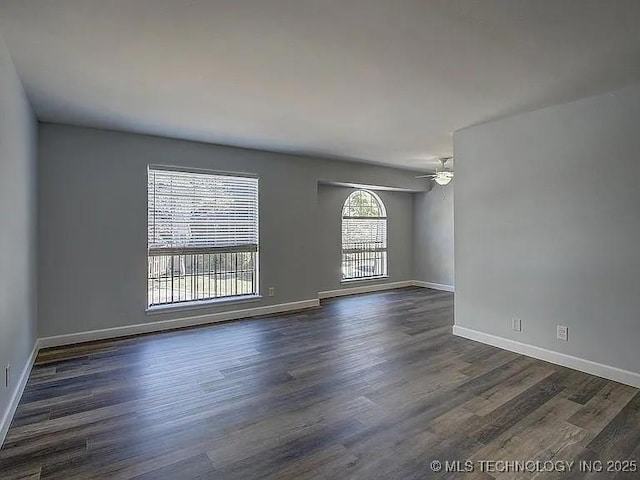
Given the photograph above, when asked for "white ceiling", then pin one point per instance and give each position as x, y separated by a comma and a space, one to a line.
385, 81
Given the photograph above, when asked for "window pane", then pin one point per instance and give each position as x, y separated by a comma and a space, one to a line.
364, 236
202, 236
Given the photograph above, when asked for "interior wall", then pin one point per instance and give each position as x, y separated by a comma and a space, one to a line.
433, 235
17, 232
547, 227
93, 222
399, 206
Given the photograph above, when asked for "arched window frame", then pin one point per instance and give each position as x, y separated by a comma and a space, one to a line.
364, 237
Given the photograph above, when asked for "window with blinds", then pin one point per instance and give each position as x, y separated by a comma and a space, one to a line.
202, 236
364, 236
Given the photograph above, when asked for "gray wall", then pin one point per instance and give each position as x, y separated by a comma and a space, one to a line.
433, 235
547, 221
399, 206
17, 227
92, 222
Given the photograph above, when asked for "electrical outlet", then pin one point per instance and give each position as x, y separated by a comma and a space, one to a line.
562, 333
7, 373
272, 291
516, 324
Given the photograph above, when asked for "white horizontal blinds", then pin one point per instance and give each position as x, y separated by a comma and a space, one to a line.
364, 234
201, 212
364, 223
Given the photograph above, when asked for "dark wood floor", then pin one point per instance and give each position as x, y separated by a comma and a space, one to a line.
370, 386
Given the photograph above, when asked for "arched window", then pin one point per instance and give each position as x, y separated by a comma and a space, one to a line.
364, 236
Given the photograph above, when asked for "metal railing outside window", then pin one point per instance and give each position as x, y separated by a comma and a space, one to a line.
191, 277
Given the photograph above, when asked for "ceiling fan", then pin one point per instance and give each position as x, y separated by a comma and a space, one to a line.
441, 176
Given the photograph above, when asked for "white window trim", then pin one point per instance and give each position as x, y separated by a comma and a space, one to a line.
364, 279
201, 304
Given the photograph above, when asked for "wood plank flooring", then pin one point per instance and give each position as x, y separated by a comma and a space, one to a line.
366, 387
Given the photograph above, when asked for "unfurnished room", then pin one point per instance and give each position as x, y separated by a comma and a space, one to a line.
319, 239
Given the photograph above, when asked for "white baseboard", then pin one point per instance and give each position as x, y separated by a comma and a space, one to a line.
8, 414
435, 286
375, 287
150, 327
103, 334
612, 373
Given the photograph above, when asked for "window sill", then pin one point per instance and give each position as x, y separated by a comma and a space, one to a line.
218, 302
363, 279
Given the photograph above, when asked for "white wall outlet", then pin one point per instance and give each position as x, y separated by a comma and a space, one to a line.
562, 333
272, 291
516, 324
7, 373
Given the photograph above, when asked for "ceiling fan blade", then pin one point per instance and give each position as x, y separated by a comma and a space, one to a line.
431, 175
